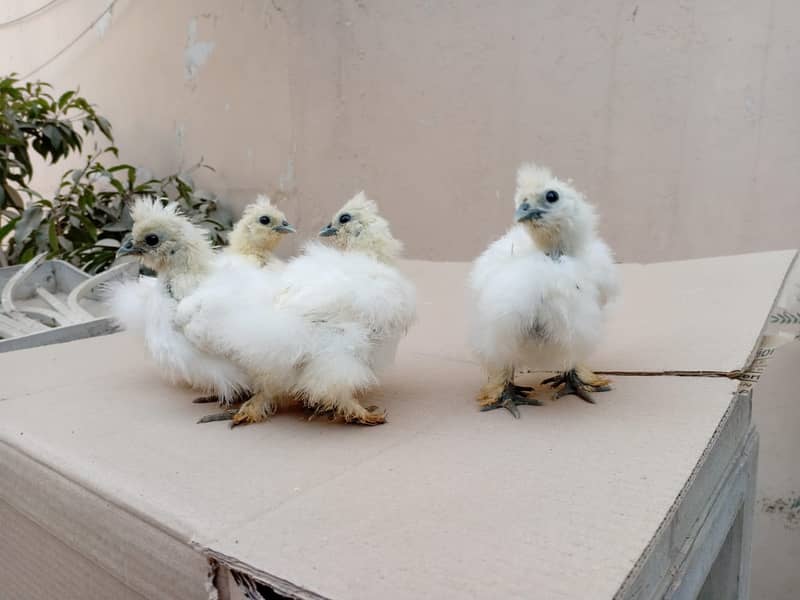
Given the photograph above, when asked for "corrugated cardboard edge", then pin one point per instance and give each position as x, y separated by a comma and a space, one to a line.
128, 537
650, 576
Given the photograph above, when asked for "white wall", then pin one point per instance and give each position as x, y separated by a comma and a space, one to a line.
678, 119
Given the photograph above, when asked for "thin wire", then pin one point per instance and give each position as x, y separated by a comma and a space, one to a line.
27, 16
73, 42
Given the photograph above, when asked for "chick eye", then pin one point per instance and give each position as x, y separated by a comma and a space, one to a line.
264, 220
285, 223
344, 218
151, 239
551, 196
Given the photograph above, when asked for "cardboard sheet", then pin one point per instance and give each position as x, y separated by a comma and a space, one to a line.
442, 501
105, 457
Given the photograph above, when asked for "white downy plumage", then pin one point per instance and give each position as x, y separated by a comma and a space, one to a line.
540, 293
182, 256
319, 332
144, 307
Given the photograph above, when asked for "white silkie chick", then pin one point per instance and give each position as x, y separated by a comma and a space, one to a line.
333, 321
181, 254
257, 233
540, 294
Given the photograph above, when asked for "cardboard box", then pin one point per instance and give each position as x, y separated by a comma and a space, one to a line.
108, 488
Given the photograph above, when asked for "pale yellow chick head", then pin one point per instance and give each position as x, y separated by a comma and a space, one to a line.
164, 238
260, 229
551, 208
358, 226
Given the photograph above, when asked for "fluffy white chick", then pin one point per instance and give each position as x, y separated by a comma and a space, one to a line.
359, 305
258, 232
332, 322
540, 293
181, 255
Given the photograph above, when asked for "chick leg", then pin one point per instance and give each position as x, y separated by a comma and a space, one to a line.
259, 408
578, 382
501, 392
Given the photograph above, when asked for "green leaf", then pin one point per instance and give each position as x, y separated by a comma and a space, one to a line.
53, 238
56, 140
64, 98
5, 229
88, 226
9, 141
121, 167
105, 127
107, 243
14, 196
117, 184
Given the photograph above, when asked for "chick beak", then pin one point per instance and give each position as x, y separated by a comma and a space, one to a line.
284, 228
525, 212
129, 249
328, 231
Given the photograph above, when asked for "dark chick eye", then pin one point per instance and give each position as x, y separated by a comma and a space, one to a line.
264, 220
285, 223
551, 196
344, 218
151, 239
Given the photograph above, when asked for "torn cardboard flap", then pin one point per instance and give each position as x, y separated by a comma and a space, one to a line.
783, 327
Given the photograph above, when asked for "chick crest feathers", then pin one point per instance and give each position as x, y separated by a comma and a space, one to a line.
373, 236
150, 213
532, 177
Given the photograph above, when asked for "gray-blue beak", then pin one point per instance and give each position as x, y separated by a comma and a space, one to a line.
328, 231
284, 228
525, 212
128, 249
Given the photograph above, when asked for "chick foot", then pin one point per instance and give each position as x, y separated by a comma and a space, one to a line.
369, 416
254, 410
510, 397
572, 383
